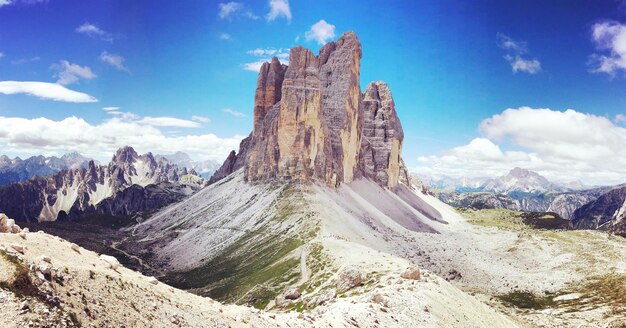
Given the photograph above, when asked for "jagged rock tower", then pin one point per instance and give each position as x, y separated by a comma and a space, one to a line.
312, 123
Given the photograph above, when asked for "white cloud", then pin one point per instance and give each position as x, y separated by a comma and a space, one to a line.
25, 2
255, 66
321, 32
228, 9
162, 121
262, 52
116, 61
279, 8
100, 141
45, 90
110, 108
169, 122
94, 31
562, 145
609, 37
505, 42
231, 9
25, 60
202, 119
519, 64
233, 112
69, 73
515, 57
224, 36
620, 118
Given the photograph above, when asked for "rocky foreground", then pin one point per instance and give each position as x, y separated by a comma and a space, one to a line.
46, 281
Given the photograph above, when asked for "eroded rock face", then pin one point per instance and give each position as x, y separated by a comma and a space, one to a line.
319, 125
341, 96
381, 146
268, 89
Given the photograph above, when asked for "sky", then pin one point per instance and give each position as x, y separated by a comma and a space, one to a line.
480, 87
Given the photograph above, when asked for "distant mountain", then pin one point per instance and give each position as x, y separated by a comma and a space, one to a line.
519, 190
100, 189
16, 170
520, 181
204, 168
444, 182
608, 212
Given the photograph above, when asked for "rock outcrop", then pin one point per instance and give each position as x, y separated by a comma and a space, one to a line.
268, 90
381, 147
319, 126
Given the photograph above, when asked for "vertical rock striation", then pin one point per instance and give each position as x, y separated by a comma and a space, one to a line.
381, 146
341, 94
311, 122
268, 89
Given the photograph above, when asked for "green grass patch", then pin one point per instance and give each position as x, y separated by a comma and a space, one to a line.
526, 300
20, 284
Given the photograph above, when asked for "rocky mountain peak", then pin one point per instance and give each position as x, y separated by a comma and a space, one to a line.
309, 121
125, 155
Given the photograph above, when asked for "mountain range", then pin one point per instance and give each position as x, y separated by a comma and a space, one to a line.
123, 187
528, 191
204, 168
17, 169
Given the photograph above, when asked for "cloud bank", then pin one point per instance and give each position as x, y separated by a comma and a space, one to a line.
45, 90
100, 141
562, 145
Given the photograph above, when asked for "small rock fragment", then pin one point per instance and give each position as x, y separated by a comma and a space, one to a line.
153, 280
75, 248
411, 273
18, 248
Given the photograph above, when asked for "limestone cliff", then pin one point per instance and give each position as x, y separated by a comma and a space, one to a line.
381, 146
320, 126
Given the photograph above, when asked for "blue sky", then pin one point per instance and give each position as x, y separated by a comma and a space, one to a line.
179, 73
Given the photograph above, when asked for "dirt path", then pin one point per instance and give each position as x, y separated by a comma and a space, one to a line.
304, 271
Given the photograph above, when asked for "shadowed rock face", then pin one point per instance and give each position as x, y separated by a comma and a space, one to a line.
381, 146
319, 124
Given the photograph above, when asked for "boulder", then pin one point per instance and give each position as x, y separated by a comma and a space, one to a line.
412, 273
292, 293
111, 261
349, 278
153, 280
8, 225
